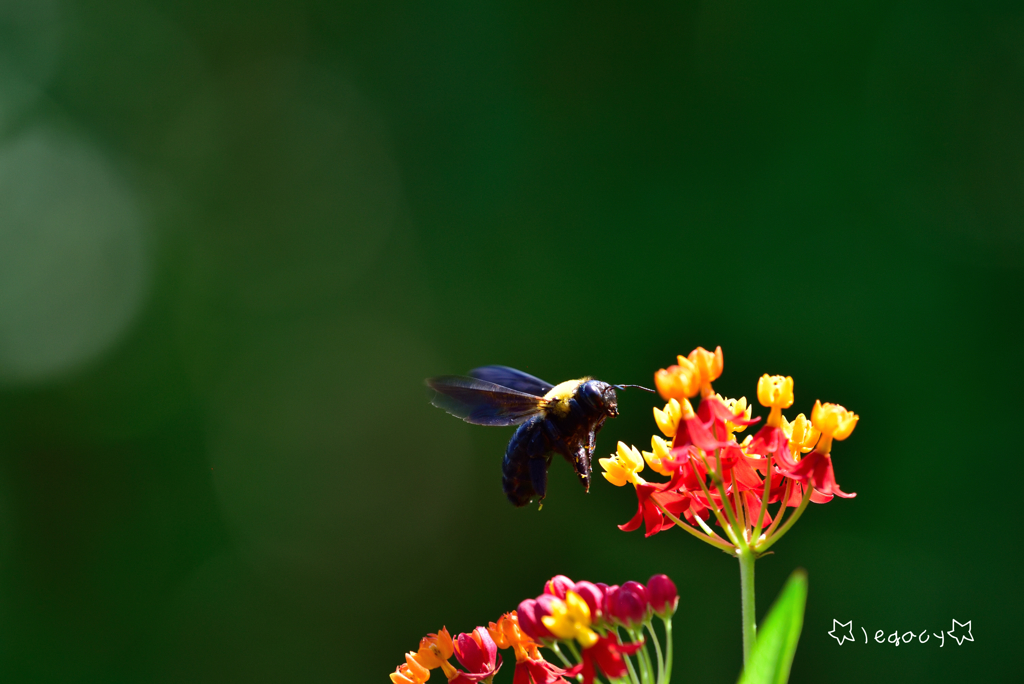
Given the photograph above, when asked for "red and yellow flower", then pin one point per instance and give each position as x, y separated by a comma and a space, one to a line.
712, 475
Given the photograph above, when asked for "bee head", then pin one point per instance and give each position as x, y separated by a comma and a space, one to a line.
599, 396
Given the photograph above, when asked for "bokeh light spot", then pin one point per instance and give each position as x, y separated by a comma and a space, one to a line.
73, 256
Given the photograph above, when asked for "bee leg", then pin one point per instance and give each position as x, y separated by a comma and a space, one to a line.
539, 476
581, 463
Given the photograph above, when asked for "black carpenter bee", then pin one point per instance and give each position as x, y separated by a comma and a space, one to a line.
562, 419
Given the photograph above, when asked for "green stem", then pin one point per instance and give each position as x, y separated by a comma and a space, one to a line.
657, 652
645, 674
749, 614
789, 523
764, 503
561, 656
572, 649
736, 535
717, 542
647, 656
629, 663
781, 511
668, 649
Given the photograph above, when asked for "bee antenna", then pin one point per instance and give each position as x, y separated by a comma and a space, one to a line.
637, 386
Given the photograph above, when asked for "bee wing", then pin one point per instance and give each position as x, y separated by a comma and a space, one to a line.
512, 378
484, 403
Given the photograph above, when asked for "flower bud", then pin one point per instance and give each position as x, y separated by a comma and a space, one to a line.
628, 605
530, 613
558, 586
662, 594
594, 597
609, 598
476, 652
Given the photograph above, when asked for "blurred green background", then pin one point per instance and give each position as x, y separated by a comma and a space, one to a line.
236, 236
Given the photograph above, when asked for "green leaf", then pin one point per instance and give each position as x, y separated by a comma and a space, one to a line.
775, 647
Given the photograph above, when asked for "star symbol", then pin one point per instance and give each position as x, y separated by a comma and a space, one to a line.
840, 637
961, 638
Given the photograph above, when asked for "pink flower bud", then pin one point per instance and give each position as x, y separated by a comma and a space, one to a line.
609, 598
530, 613
593, 595
662, 594
628, 605
558, 586
476, 651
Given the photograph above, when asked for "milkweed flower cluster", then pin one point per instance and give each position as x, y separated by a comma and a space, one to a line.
712, 475
582, 623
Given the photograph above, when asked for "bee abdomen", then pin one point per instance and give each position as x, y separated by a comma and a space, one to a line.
524, 468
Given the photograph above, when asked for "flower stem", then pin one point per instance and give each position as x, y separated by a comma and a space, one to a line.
781, 510
789, 523
629, 662
764, 503
657, 652
649, 666
668, 649
718, 544
641, 660
749, 614
736, 533
561, 656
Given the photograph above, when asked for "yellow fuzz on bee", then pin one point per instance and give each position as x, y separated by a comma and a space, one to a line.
570, 619
560, 395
